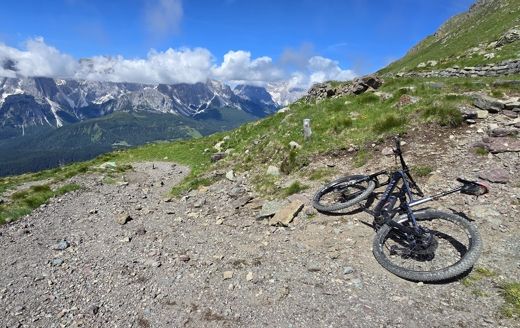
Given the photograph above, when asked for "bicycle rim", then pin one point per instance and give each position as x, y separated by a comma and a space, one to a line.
453, 247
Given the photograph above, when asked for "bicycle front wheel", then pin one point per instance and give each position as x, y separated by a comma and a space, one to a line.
453, 248
343, 193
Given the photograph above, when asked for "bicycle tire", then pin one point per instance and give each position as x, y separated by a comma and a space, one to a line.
363, 192
466, 262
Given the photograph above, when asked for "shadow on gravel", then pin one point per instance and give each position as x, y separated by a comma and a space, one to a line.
461, 214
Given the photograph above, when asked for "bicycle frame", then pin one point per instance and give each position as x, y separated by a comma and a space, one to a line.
386, 207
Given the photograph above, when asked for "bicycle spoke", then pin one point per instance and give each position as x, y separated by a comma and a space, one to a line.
343, 193
448, 245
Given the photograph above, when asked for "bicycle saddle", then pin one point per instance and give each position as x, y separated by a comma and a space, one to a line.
472, 187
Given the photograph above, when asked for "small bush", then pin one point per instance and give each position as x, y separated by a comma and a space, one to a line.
497, 93
481, 151
293, 162
67, 188
388, 122
443, 115
19, 194
294, 188
41, 188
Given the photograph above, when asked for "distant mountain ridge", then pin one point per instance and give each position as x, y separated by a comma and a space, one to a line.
27, 102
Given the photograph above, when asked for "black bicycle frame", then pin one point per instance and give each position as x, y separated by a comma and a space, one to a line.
386, 207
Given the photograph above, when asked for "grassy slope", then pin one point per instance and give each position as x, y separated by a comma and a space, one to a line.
336, 123
481, 25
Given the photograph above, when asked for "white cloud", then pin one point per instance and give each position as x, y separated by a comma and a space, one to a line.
170, 66
184, 65
39, 59
238, 66
163, 17
323, 69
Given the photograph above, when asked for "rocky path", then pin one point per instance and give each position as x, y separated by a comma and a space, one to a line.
205, 261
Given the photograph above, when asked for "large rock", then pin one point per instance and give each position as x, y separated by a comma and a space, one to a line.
490, 104
496, 175
123, 218
285, 215
372, 81
230, 175
510, 36
511, 104
269, 209
354, 87
503, 132
499, 144
217, 156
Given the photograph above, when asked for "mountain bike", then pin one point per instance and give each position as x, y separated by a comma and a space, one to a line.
424, 245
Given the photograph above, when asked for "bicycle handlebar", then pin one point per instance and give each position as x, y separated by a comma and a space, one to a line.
397, 145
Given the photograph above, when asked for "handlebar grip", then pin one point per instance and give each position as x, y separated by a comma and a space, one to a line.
397, 144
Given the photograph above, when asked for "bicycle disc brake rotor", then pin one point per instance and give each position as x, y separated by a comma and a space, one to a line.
424, 248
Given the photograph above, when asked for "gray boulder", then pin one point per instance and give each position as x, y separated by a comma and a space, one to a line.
490, 104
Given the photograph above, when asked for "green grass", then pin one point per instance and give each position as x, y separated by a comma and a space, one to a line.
421, 170
481, 151
294, 188
443, 115
479, 292
478, 274
321, 173
23, 202
389, 122
361, 158
511, 293
341, 124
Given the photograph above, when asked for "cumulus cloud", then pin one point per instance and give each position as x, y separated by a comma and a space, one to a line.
322, 69
163, 17
184, 65
170, 66
238, 66
39, 59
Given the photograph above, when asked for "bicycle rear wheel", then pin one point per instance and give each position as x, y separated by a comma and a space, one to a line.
343, 193
454, 248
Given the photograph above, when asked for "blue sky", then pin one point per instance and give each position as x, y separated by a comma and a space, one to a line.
357, 36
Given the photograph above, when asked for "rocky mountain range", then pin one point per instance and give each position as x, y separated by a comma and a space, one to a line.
26, 102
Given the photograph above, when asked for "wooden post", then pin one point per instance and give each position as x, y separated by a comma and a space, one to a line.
307, 132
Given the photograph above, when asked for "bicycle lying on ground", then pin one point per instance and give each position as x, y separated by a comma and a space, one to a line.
426, 245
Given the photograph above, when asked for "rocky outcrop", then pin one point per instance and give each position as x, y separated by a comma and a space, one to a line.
507, 67
510, 36
355, 87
